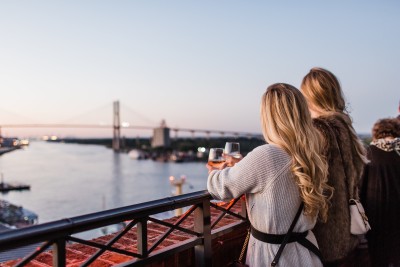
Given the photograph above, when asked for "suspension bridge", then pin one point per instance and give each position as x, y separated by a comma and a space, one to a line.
117, 125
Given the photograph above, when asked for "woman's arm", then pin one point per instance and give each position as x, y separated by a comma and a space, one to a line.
251, 175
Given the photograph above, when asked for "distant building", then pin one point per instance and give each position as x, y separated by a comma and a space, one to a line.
161, 136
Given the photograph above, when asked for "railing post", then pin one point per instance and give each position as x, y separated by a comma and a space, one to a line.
142, 237
202, 224
59, 253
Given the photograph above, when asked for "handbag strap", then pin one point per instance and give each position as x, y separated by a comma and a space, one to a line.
246, 241
287, 236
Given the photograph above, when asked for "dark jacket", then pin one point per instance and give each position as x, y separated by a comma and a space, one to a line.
334, 238
380, 194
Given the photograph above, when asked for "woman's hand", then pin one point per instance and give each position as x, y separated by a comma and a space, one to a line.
231, 161
218, 167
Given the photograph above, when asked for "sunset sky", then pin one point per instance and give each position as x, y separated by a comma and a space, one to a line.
196, 64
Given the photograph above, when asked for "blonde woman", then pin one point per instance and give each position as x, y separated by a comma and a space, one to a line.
346, 156
277, 177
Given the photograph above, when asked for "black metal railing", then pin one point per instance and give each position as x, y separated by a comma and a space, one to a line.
57, 234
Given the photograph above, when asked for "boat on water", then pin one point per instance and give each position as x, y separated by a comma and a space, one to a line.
136, 154
14, 216
24, 142
6, 187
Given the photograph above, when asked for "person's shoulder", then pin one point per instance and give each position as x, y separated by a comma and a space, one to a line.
270, 151
326, 121
323, 124
330, 125
267, 147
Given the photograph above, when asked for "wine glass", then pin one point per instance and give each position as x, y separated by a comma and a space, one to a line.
216, 157
232, 153
232, 149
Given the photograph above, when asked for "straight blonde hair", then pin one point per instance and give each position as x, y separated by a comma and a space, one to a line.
286, 122
323, 91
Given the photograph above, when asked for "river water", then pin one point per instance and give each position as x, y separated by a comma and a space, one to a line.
68, 180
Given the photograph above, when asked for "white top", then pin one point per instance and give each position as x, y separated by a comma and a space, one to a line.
272, 200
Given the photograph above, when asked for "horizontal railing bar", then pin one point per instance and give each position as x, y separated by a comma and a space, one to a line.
65, 227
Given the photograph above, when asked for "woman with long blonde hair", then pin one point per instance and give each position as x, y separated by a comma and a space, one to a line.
277, 177
346, 156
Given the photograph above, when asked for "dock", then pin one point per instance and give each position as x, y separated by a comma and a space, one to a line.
5, 187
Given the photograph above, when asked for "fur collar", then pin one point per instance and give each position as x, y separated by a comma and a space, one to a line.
387, 145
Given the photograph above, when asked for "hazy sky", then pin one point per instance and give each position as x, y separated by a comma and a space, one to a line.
196, 64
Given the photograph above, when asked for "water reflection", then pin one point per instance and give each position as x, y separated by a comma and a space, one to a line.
117, 177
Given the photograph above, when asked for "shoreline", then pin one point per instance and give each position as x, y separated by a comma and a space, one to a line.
4, 150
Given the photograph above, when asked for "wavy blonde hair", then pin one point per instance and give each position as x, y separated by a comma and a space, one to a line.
286, 122
323, 91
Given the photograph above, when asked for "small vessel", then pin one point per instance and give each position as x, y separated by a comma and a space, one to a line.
136, 154
24, 142
5, 187
16, 216
176, 158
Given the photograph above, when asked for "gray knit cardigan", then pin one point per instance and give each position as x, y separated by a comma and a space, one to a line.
272, 200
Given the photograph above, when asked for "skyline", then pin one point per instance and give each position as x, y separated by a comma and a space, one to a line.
196, 65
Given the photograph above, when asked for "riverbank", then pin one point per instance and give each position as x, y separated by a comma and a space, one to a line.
186, 149
186, 145
4, 150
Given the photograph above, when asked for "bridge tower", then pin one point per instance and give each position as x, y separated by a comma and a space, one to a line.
116, 144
